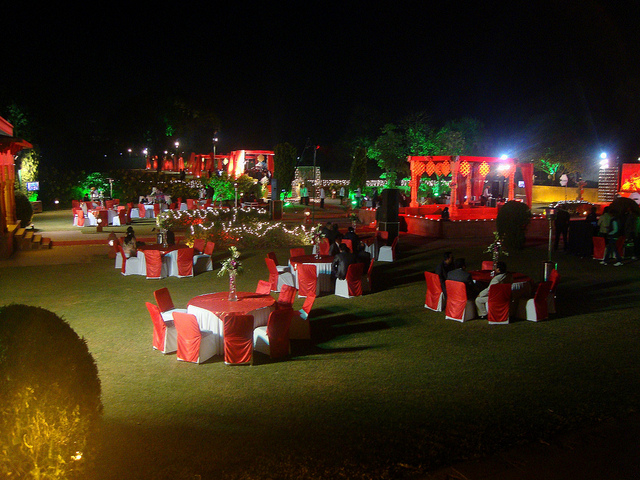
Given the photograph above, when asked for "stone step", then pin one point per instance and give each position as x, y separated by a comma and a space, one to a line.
46, 243
24, 242
37, 241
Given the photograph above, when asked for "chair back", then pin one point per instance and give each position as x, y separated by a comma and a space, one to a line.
307, 280
540, 300
499, 303
156, 209
80, 214
354, 279
141, 210
348, 243
487, 265
189, 336
272, 256
278, 327
185, 262
308, 303
124, 258
263, 288
273, 273
456, 299
163, 299
109, 203
394, 244
159, 327
238, 339
296, 252
153, 260
554, 278
324, 247
191, 203
287, 296
199, 244
434, 297
209, 247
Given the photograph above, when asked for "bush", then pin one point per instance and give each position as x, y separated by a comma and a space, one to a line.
24, 209
49, 396
513, 219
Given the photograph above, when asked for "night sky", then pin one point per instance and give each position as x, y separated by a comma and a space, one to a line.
275, 72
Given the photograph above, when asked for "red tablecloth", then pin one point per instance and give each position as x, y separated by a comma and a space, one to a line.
158, 246
311, 259
485, 276
219, 304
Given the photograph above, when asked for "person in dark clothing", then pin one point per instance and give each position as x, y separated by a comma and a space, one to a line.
351, 235
460, 274
562, 226
341, 262
444, 268
335, 246
362, 256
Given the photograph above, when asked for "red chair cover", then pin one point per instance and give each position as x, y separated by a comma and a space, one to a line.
307, 280
287, 296
382, 235
296, 252
163, 299
456, 299
124, 259
198, 245
122, 215
80, 214
554, 278
159, 327
540, 300
153, 259
185, 262
238, 339
324, 247
354, 279
348, 243
308, 303
499, 303
189, 336
272, 256
487, 265
209, 247
273, 273
433, 299
264, 287
141, 210
191, 203
598, 248
278, 332
109, 203
156, 209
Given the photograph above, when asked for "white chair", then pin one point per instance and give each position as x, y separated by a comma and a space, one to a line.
165, 304
193, 345
535, 309
388, 254
132, 265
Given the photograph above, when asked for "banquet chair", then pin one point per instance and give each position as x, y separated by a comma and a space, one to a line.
165, 303
598, 248
198, 245
185, 262
164, 331
388, 254
281, 268
382, 237
264, 287
367, 278
297, 252
459, 307
351, 286
79, 218
307, 280
324, 247
156, 210
434, 299
487, 265
141, 210
202, 262
191, 204
499, 304
273, 340
194, 345
131, 265
123, 217
300, 327
535, 309
238, 339
348, 243
156, 264
554, 278
109, 203
278, 279
286, 297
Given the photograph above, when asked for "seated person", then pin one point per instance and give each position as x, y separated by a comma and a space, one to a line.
341, 262
362, 256
444, 268
460, 274
335, 246
351, 235
501, 276
129, 244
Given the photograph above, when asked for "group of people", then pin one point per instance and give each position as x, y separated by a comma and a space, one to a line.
456, 270
612, 226
343, 256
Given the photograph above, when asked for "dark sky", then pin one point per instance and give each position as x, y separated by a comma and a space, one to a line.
277, 71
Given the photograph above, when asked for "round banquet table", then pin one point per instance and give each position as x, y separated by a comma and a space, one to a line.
323, 269
210, 308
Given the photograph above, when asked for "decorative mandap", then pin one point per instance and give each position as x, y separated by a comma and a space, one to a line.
468, 176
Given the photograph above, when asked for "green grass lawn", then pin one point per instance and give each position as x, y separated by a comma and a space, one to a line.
388, 389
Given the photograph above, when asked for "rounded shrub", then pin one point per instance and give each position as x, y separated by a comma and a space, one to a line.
24, 209
512, 221
50, 403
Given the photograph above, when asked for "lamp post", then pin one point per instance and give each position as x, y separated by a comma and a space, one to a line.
215, 142
315, 181
235, 185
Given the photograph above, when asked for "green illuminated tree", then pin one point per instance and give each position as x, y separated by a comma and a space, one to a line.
358, 174
390, 153
284, 165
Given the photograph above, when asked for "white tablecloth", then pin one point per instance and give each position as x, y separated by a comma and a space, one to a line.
91, 220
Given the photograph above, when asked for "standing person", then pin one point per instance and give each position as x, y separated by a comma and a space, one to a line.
358, 197
501, 276
305, 194
612, 239
562, 226
322, 197
374, 198
341, 194
604, 223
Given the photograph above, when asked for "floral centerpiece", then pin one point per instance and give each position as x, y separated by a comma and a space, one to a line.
496, 249
233, 267
316, 237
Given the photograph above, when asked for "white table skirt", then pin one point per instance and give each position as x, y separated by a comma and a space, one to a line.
209, 321
91, 220
149, 213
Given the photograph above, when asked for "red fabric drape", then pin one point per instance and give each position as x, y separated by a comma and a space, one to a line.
189, 336
354, 279
159, 327
263, 288
540, 300
238, 338
141, 210
185, 262
163, 299
527, 176
499, 303
307, 280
